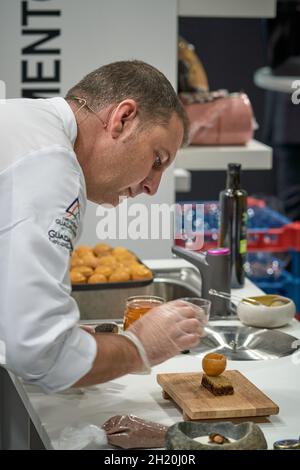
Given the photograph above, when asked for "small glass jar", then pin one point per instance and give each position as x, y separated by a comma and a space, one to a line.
138, 305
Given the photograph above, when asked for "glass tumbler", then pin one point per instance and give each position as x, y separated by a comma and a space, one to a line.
204, 311
203, 304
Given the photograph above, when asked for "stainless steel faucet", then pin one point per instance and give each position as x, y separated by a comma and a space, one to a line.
214, 269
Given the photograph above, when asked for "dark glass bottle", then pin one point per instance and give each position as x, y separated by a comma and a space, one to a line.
233, 223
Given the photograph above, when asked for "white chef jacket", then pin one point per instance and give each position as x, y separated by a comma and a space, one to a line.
42, 202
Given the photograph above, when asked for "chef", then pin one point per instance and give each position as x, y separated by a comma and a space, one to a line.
113, 135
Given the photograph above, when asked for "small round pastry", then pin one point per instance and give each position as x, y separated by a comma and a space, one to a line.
131, 263
133, 266
77, 278
105, 270
83, 250
119, 250
99, 259
125, 257
214, 364
119, 276
76, 261
86, 271
123, 267
108, 261
96, 278
102, 249
90, 260
140, 273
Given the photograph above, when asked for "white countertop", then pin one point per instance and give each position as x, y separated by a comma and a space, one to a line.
142, 396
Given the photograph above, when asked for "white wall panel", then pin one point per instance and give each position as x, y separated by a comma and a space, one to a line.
92, 33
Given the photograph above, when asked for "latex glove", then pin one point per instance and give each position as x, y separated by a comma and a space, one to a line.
166, 330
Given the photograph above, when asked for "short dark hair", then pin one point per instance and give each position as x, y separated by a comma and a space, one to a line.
112, 83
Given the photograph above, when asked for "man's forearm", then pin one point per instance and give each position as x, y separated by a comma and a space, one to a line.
116, 356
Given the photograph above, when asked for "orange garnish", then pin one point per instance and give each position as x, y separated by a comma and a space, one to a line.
214, 364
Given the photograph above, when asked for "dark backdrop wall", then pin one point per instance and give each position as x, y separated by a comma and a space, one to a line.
230, 50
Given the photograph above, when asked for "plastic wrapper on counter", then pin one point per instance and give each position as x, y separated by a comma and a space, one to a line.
131, 432
86, 436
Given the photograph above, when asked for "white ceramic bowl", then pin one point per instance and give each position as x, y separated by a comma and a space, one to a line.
264, 316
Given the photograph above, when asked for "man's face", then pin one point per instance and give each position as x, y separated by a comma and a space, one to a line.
134, 163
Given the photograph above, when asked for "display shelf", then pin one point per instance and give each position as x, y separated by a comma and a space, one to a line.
228, 8
263, 78
253, 156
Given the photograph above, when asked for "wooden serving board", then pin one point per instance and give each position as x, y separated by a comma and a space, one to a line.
198, 403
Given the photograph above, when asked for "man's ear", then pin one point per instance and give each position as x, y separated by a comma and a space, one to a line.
123, 117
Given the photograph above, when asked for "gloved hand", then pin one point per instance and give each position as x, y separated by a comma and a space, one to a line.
166, 330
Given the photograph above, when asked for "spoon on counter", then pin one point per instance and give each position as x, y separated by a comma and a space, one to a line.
268, 300
228, 296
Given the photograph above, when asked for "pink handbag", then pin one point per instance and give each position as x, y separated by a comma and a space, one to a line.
218, 118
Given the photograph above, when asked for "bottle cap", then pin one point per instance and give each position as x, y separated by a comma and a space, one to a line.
285, 444
234, 167
218, 251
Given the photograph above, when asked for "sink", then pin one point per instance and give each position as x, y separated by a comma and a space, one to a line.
240, 343
244, 343
109, 304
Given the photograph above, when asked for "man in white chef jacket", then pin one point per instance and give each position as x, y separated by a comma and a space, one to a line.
115, 133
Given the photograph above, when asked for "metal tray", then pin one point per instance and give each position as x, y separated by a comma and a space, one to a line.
113, 285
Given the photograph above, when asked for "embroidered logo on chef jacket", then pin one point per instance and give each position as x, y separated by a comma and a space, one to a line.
73, 210
64, 229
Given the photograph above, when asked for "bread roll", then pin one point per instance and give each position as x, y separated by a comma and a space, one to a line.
90, 260
119, 276
102, 249
140, 273
96, 278
105, 270
77, 278
86, 271
83, 250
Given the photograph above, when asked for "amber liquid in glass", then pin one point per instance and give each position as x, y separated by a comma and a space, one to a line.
137, 308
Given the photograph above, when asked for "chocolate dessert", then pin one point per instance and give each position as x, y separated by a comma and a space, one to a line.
219, 385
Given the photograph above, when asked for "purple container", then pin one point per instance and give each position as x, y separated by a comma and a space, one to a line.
218, 251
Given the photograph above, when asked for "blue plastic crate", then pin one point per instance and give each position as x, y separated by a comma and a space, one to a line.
285, 285
258, 218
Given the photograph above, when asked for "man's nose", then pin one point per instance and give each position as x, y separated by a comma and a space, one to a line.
151, 184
